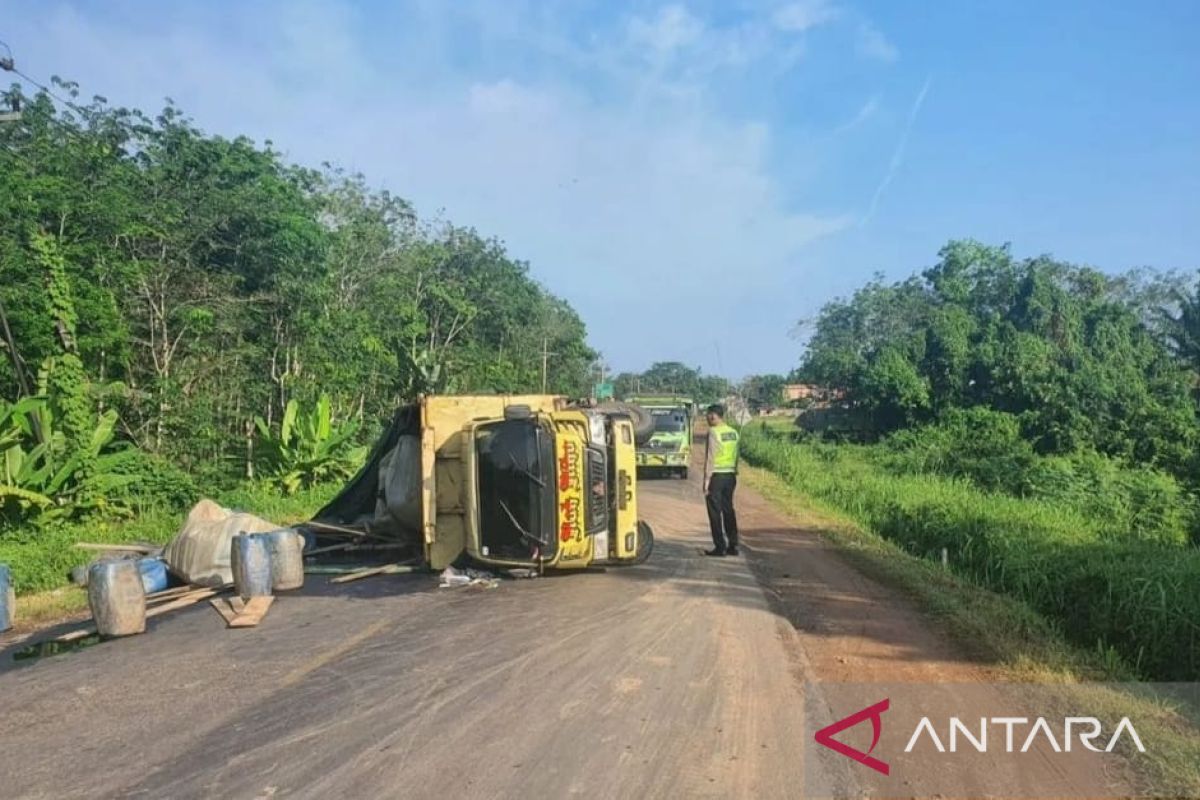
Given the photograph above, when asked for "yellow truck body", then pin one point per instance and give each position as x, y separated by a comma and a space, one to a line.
568, 500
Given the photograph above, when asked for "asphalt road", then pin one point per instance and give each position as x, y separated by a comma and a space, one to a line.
683, 677
671, 679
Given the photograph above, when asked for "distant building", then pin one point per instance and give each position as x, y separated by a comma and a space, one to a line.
799, 391
793, 392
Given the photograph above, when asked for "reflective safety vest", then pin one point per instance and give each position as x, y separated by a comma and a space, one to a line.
725, 459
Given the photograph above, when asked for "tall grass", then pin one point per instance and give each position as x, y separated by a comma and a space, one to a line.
1139, 598
987, 447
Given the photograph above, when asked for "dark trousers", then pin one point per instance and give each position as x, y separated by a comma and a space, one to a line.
721, 518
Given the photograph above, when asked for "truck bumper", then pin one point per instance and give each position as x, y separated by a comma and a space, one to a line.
662, 459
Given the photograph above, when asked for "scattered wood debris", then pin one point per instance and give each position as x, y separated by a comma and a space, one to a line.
239, 613
385, 569
118, 548
182, 601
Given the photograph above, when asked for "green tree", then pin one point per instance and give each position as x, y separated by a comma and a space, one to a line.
763, 391
1068, 350
218, 284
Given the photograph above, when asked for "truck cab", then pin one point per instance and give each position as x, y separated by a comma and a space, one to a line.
505, 481
555, 489
668, 451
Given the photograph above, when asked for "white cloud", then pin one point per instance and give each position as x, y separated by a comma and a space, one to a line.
871, 43
804, 15
674, 27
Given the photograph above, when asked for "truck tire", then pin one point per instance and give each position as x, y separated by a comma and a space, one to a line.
518, 412
643, 421
683, 472
645, 542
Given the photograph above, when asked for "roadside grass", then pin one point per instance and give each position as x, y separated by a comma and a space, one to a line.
41, 557
1022, 645
1129, 599
43, 609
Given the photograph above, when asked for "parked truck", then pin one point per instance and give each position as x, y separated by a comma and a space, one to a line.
668, 451
503, 481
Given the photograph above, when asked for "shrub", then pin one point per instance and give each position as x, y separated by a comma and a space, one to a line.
982, 445
1135, 502
986, 448
156, 483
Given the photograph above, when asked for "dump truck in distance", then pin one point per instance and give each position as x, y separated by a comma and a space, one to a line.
668, 450
507, 481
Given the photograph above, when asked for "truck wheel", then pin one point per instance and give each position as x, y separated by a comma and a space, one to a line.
518, 412
643, 420
683, 473
645, 542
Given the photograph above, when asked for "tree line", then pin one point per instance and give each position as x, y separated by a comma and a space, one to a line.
184, 284
1074, 359
672, 377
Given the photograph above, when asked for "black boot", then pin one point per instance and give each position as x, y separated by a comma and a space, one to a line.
714, 552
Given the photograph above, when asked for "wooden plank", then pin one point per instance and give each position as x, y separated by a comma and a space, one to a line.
362, 573
182, 602
330, 548
404, 569
333, 569
72, 636
256, 609
121, 548
239, 605
386, 569
187, 591
353, 576
341, 530
168, 594
224, 609
195, 596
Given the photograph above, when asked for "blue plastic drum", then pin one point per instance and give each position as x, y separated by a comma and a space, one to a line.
154, 574
7, 599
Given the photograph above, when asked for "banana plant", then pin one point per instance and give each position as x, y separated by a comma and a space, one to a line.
308, 448
41, 475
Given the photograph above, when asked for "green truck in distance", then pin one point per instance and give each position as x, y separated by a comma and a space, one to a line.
669, 450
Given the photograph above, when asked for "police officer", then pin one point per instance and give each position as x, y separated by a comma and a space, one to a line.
720, 479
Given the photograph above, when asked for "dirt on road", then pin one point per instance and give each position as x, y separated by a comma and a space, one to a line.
684, 677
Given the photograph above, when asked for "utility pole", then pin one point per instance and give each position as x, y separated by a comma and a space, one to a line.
545, 360
14, 107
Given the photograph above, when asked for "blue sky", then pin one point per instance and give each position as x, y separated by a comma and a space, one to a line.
695, 177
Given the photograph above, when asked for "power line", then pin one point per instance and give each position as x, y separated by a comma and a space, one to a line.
50, 92
8, 64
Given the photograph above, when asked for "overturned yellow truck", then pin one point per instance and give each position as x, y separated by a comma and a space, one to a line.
503, 481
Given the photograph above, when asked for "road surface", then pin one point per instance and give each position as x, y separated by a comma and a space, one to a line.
680, 678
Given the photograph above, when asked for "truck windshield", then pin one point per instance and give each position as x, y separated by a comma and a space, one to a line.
516, 489
673, 421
